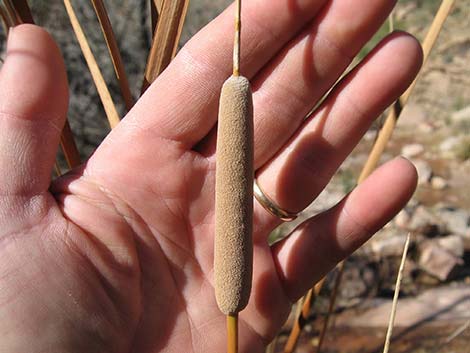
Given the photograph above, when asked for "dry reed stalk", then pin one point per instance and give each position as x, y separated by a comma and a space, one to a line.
5, 20
114, 53
57, 170
14, 17
23, 10
271, 348
69, 147
386, 131
457, 332
98, 79
301, 316
331, 306
165, 40
155, 10
391, 22
396, 294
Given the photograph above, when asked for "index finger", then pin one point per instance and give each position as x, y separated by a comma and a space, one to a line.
196, 75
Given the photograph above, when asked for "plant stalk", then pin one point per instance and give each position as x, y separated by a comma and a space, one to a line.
165, 40
114, 53
305, 305
396, 294
232, 333
105, 96
23, 10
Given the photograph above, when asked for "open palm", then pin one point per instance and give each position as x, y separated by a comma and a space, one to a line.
117, 255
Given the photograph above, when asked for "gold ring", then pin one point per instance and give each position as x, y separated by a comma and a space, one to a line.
270, 206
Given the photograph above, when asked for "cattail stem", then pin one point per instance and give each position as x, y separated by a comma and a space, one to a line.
396, 294
305, 305
114, 53
232, 333
237, 40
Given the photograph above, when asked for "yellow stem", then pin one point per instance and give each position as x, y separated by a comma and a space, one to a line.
237, 41
301, 316
232, 333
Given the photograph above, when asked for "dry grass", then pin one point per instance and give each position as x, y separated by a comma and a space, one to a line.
165, 40
396, 294
103, 91
114, 53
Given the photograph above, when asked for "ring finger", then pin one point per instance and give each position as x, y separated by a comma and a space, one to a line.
303, 167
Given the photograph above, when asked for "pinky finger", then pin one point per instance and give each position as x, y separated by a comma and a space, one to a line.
319, 243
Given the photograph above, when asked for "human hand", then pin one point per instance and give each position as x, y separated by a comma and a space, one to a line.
117, 255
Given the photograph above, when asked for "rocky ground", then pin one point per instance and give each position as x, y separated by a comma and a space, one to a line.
433, 132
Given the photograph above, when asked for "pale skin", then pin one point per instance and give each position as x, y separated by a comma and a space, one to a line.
117, 255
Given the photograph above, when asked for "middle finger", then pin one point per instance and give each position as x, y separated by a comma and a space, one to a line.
291, 84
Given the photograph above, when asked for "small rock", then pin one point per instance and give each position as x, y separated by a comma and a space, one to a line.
424, 171
437, 261
370, 135
426, 127
444, 305
403, 218
438, 183
391, 246
412, 150
449, 144
457, 221
452, 243
425, 222
415, 114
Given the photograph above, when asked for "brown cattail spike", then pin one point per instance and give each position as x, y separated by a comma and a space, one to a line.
234, 196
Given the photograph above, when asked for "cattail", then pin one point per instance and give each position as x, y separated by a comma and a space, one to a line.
234, 196
233, 248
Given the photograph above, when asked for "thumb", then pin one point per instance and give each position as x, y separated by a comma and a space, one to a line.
33, 106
